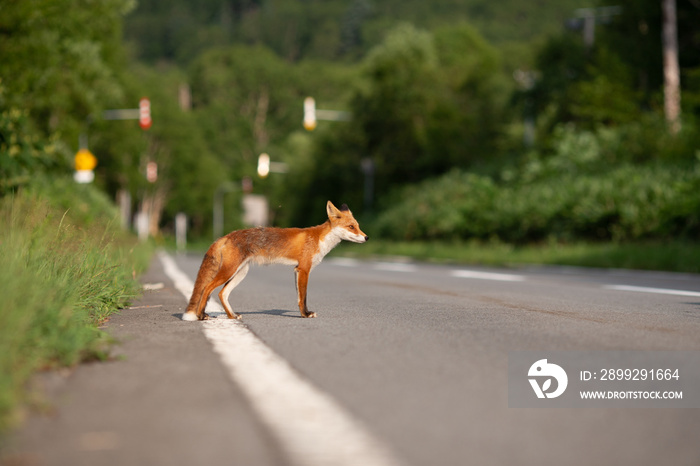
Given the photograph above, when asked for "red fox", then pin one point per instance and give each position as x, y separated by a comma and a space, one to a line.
227, 260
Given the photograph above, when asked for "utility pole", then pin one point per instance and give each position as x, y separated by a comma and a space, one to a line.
591, 16
218, 210
672, 80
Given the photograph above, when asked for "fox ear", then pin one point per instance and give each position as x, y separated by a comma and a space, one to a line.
332, 210
344, 208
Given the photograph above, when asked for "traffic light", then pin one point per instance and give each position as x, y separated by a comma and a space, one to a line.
145, 113
263, 165
309, 114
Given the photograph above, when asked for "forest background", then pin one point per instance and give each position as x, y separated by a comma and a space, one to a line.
470, 120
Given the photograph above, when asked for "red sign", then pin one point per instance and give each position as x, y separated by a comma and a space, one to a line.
145, 114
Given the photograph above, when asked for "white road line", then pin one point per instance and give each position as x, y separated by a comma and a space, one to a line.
501, 277
644, 289
309, 425
394, 267
342, 261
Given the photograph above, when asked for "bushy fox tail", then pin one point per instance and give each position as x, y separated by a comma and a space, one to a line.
207, 272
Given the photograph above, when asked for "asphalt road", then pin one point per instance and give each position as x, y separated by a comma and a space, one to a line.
419, 353
416, 353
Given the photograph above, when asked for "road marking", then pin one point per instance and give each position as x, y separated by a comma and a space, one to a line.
387, 266
153, 286
394, 267
309, 425
501, 277
644, 289
343, 261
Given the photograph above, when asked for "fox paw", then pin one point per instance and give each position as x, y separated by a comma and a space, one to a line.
310, 315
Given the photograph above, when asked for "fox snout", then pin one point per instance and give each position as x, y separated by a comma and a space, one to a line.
355, 238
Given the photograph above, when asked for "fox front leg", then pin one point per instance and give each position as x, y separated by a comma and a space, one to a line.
302, 280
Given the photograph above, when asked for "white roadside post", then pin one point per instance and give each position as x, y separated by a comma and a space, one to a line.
181, 232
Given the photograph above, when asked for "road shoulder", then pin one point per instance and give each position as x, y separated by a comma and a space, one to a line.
163, 398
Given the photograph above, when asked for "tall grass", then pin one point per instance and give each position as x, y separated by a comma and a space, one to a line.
61, 275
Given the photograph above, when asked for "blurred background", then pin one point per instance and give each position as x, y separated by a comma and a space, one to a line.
512, 123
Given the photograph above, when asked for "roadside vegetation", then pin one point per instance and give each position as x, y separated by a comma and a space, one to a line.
589, 187
66, 267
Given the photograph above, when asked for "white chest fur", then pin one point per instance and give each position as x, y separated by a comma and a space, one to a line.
328, 242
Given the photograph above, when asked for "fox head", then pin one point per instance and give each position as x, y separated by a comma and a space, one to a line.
345, 224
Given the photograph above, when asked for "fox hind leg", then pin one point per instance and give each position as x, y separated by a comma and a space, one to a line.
212, 274
208, 271
218, 281
229, 286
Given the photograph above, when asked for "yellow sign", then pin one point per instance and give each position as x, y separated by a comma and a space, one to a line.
84, 160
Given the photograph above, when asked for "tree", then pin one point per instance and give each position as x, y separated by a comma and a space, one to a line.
468, 129
245, 99
58, 58
59, 69
430, 103
636, 37
426, 103
188, 171
672, 92
394, 111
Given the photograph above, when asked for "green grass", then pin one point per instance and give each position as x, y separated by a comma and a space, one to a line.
676, 256
61, 276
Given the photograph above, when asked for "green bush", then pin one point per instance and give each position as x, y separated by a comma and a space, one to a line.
23, 152
626, 203
633, 182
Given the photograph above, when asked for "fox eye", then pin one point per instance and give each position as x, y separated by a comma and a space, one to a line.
352, 227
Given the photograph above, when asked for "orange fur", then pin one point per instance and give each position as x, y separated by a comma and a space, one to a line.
227, 260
